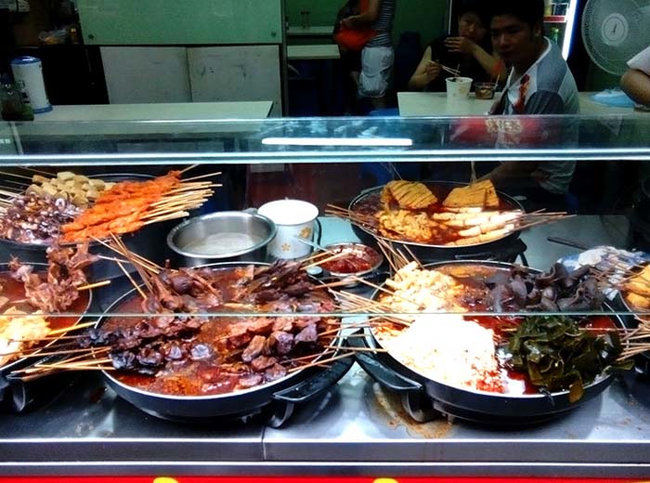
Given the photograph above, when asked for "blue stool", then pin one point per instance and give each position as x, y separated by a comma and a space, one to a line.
388, 112
571, 202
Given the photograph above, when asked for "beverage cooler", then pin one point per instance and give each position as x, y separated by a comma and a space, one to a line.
188, 344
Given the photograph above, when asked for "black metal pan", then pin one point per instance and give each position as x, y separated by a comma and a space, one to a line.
295, 388
16, 393
138, 242
473, 405
429, 252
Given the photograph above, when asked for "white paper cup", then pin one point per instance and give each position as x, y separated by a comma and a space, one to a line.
458, 87
294, 219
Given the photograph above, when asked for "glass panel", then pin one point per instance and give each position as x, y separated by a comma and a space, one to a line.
604, 204
392, 139
472, 253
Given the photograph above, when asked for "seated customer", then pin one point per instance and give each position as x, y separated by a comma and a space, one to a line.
636, 81
470, 52
539, 82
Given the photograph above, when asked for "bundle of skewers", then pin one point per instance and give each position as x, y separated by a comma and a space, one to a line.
448, 226
292, 323
71, 208
28, 299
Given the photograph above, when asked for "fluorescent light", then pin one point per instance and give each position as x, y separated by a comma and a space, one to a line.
392, 142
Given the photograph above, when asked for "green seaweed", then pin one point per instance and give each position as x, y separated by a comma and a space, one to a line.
558, 354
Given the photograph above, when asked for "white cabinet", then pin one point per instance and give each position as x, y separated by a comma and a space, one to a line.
136, 75
193, 74
239, 73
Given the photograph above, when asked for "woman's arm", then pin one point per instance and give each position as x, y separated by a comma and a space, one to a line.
636, 84
364, 18
426, 71
492, 64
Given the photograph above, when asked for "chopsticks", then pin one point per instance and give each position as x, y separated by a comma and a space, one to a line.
454, 72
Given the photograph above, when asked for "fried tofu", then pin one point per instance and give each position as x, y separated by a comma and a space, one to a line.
482, 194
409, 194
638, 301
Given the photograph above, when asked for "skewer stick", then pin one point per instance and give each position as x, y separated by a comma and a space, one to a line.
138, 267
328, 259
544, 222
103, 283
321, 363
185, 170
358, 349
72, 327
112, 259
217, 173
339, 283
173, 216
128, 275
388, 257
22, 184
10, 194
42, 353
39, 171
120, 252
16, 175
309, 357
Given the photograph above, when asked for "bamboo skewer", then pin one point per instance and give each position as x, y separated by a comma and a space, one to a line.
72, 327
192, 166
38, 171
128, 275
138, 267
16, 175
103, 283
169, 217
217, 173
328, 259
22, 184
321, 363
42, 352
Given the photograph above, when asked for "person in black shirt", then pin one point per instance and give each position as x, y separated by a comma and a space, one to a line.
470, 52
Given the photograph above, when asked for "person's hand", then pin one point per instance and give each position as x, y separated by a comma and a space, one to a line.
348, 22
460, 45
432, 70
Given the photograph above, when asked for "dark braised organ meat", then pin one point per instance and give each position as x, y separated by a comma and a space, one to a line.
175, 353
254, 348
283, 342
32, 218
551, 291
65, 274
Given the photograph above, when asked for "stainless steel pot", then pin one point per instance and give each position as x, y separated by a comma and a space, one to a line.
260, 230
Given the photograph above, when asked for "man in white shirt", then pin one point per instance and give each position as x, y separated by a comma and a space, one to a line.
540, 82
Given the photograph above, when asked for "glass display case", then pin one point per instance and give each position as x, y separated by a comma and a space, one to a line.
196, 314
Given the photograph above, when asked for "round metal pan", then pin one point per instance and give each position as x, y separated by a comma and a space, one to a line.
138, 242
424, 251
298, 387
20, 391
493, 408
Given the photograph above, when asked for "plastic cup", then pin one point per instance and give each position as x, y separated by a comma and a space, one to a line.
458, 87
485, 90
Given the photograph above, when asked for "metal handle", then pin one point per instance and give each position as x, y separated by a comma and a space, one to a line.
315, 385
382, 373
566, 242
